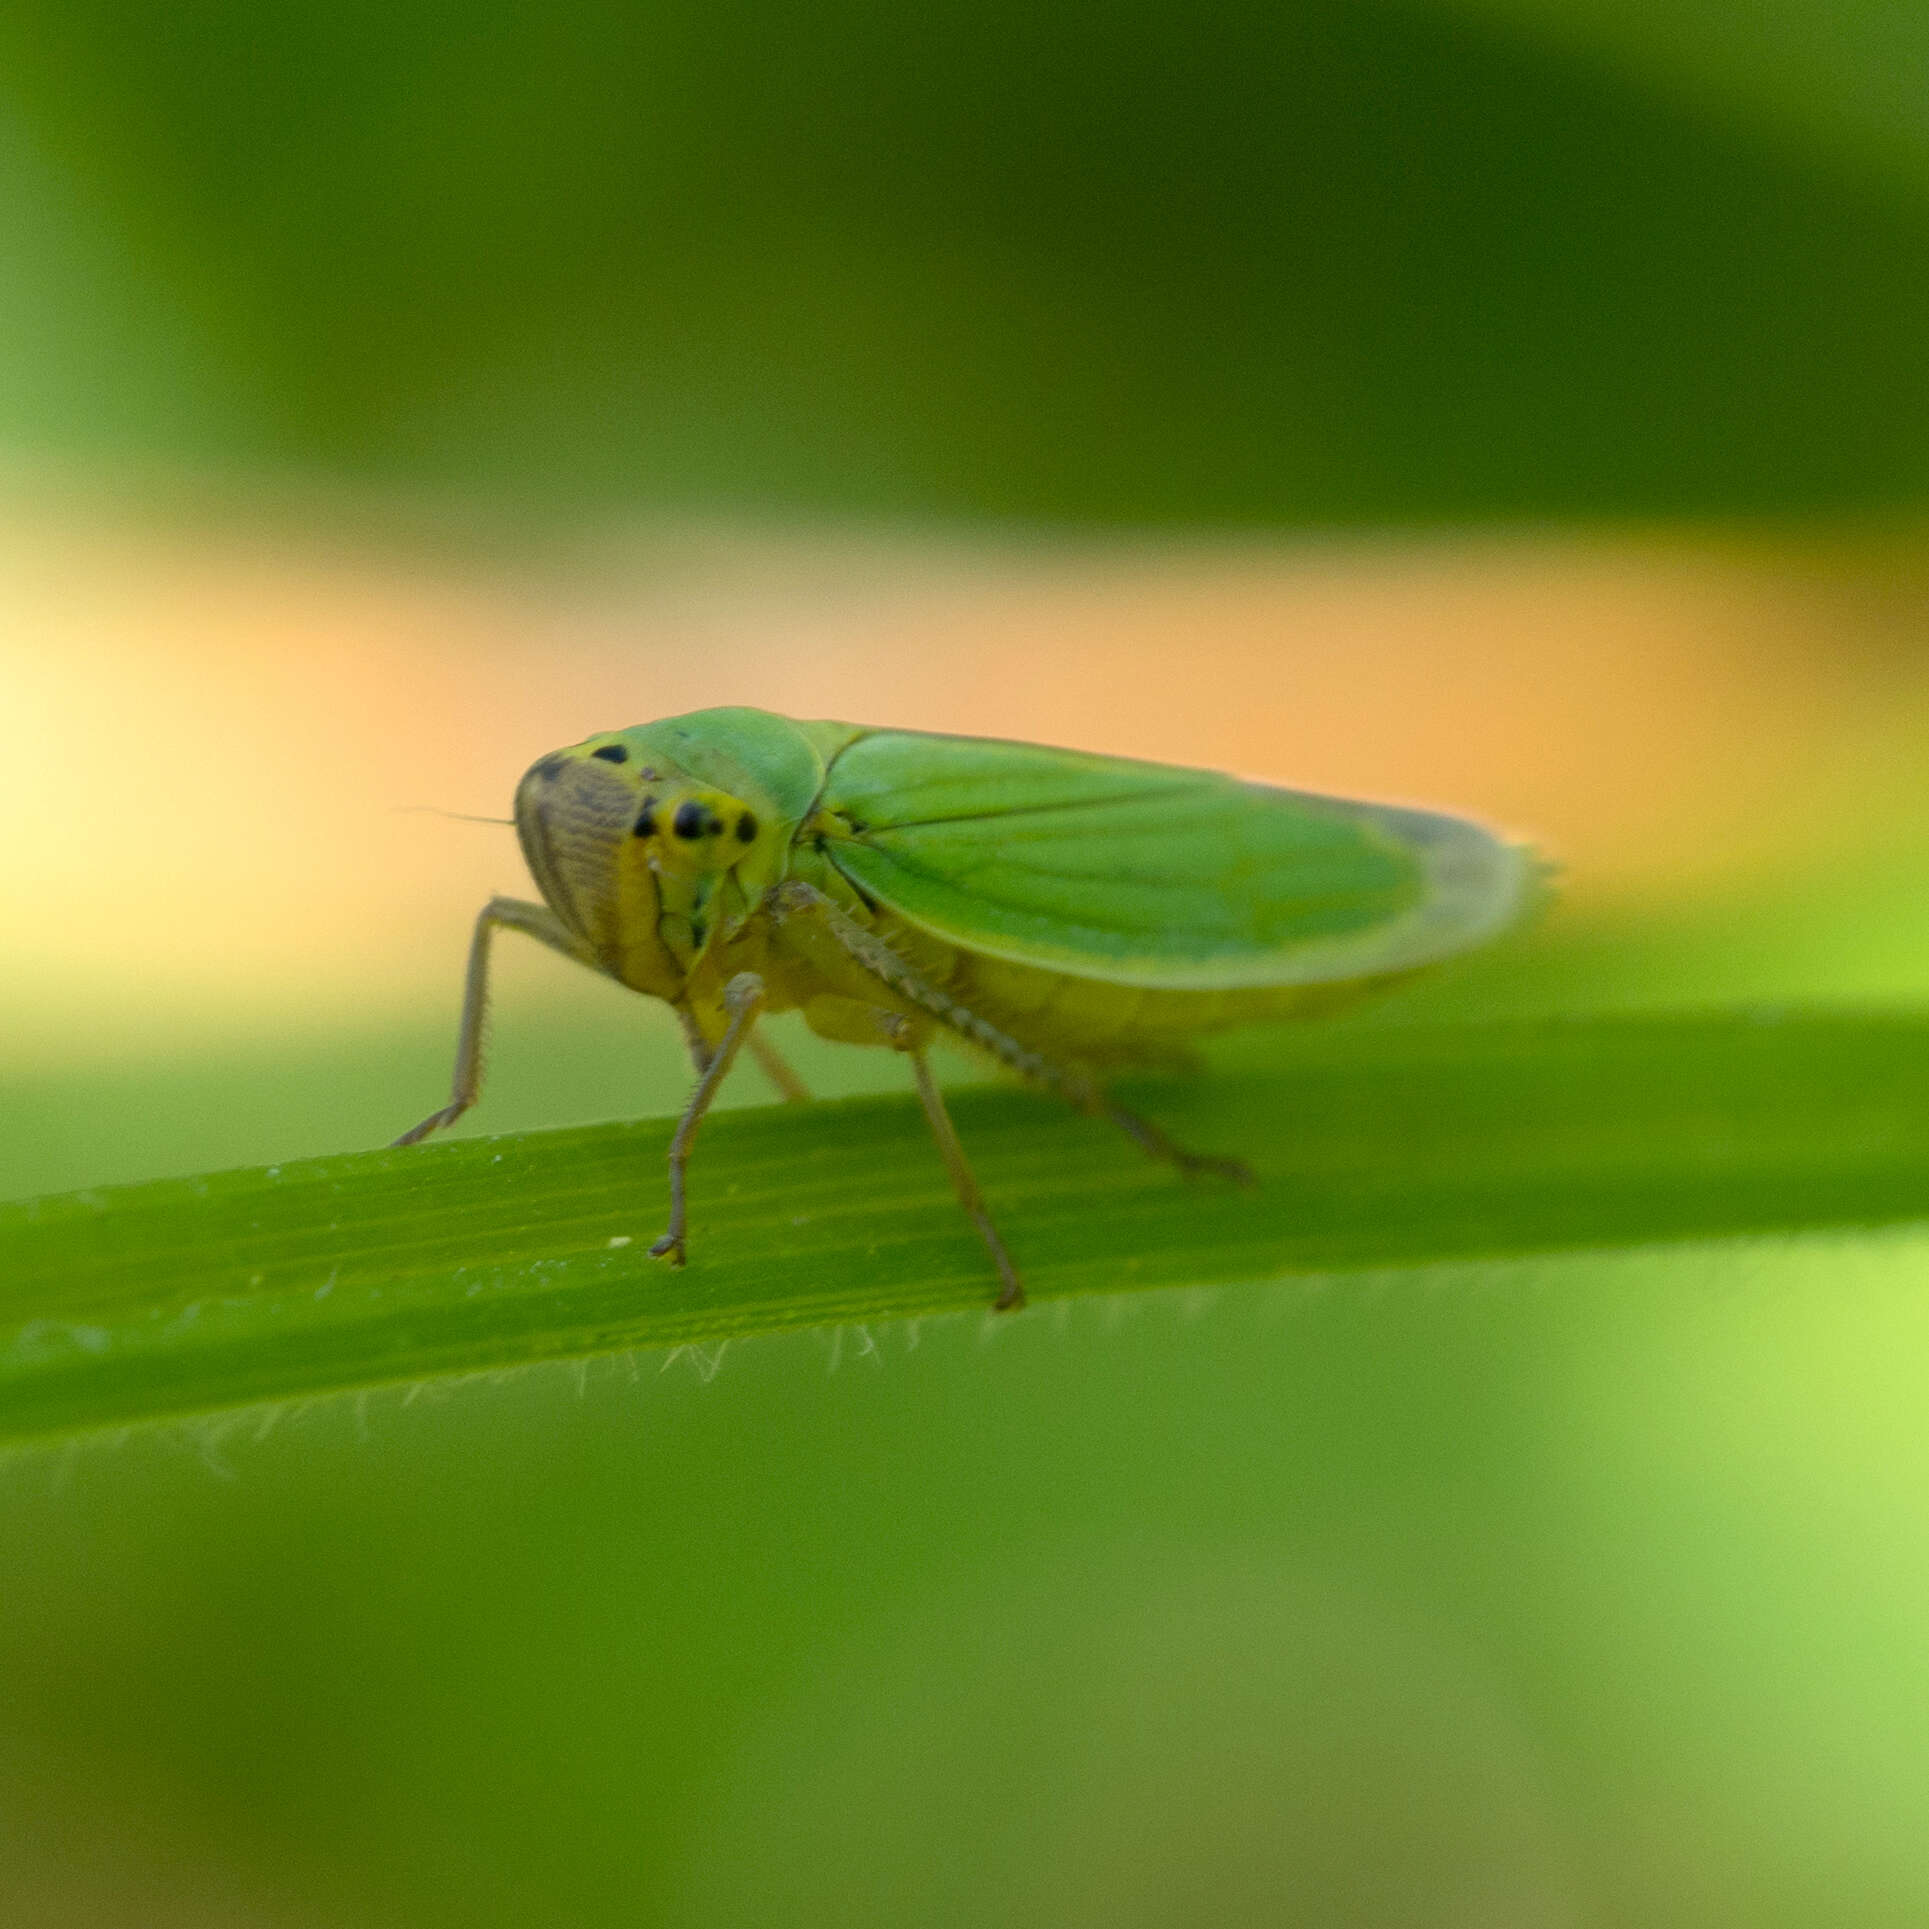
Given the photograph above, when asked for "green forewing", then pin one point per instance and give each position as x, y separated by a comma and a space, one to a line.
1142, 874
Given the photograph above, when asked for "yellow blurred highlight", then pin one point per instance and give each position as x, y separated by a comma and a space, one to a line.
219, 745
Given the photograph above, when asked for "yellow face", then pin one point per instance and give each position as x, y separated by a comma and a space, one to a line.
646, 865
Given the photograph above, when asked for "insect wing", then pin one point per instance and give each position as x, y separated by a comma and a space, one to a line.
1143, 874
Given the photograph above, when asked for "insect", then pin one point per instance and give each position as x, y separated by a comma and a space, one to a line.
1066, 914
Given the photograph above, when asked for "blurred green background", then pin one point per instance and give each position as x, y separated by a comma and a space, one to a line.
1111, 260
1588, 1592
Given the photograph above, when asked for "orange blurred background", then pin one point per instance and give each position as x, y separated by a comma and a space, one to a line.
230, 745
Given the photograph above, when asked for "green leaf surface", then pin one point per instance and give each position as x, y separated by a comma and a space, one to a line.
1394, 1148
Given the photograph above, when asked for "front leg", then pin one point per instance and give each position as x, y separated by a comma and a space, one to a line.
776, 1067
743, 998
507, 914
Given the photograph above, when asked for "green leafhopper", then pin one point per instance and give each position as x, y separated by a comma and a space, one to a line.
1067, 915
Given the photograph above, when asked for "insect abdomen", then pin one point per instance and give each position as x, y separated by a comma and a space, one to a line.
1097, 1023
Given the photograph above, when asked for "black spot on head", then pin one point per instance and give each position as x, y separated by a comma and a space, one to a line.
613, 753
645, 825
549, 769
746, 828
691, 819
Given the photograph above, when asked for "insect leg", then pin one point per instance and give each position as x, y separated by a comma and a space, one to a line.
1143, 1132
870, 951
965, 1184
776, 1068
772, 1062
743, 997
700, 1052
510, 914
797, 900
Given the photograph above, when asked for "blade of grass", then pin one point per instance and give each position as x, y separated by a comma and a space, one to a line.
1374, 1148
